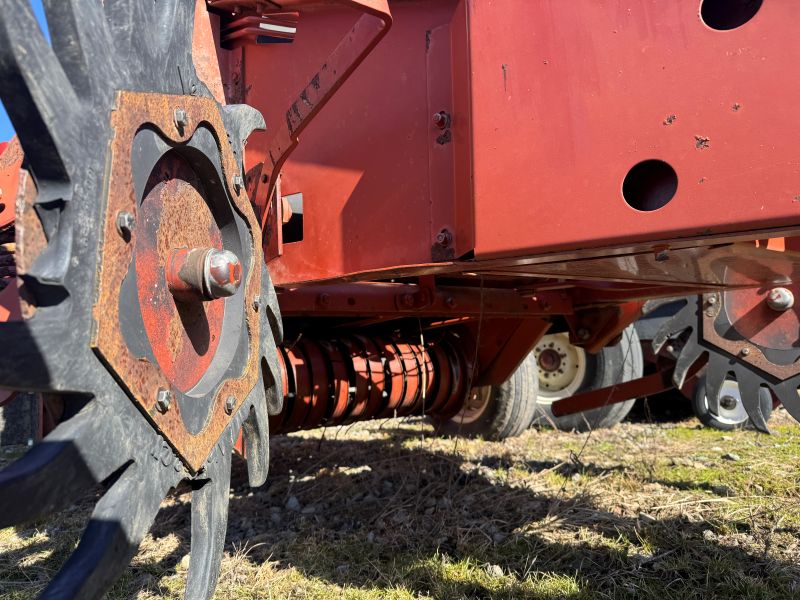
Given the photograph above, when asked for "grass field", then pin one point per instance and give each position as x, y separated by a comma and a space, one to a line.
387, 510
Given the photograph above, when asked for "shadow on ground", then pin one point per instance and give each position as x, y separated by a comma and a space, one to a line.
376, 514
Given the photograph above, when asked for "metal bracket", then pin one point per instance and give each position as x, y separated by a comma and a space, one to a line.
351, 51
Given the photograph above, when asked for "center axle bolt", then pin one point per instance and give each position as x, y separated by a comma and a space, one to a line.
780, 299
203, 274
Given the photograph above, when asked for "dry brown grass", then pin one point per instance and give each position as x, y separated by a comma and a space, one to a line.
387, 510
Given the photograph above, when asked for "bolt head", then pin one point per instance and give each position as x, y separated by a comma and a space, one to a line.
181, 118
324, 299
163, 400
780, 299
583, 334
744, 351
257, 303
125, 224
223, 273
441, 119
712, 300
407, 300
238, 183
230, 404
444, 238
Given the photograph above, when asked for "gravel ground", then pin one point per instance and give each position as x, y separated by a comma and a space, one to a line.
388, 510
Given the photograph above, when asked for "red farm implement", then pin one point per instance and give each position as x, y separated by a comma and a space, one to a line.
255, 216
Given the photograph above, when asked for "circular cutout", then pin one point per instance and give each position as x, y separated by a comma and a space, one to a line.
724, 15
650, 185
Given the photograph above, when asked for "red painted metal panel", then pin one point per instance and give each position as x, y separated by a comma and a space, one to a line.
568, 96
551, 103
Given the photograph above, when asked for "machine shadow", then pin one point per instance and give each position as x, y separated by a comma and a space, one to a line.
347, 511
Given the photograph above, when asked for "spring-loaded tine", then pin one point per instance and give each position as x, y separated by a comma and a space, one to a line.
749, 392
255, 431
82, 42
685, 318
209, 524
787, 394
78, 454
37, 94
690, 354
716, 373
120, 521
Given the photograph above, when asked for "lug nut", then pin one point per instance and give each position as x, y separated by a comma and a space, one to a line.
203, 274
780, 299
163, 400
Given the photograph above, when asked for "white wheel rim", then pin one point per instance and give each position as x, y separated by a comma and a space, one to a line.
731, 412
563, 377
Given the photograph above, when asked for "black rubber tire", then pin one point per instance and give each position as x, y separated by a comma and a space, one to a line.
709, 419
508, 412
613, 364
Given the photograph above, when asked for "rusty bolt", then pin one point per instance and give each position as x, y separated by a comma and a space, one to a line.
709, 313
324, 299
444, 238
203, 274
407, 300
780, 299
442, 119
125, 224
744, 351
583, 334
163, 400
181, 118
230, 404
238, 183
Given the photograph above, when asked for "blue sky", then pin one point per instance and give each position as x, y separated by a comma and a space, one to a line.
6, 129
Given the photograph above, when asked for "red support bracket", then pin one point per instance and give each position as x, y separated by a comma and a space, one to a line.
351, 51
658, 382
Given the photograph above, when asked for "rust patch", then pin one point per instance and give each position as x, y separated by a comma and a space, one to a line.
141, 377
701, 142
754, 355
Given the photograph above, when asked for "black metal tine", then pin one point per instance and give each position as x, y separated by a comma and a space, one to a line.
36, 94
76, 455
131, 29
786, 392
749, 392
83, 45
716, 373
255, 431
209, 524
680, 321
690, 354
120, 521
